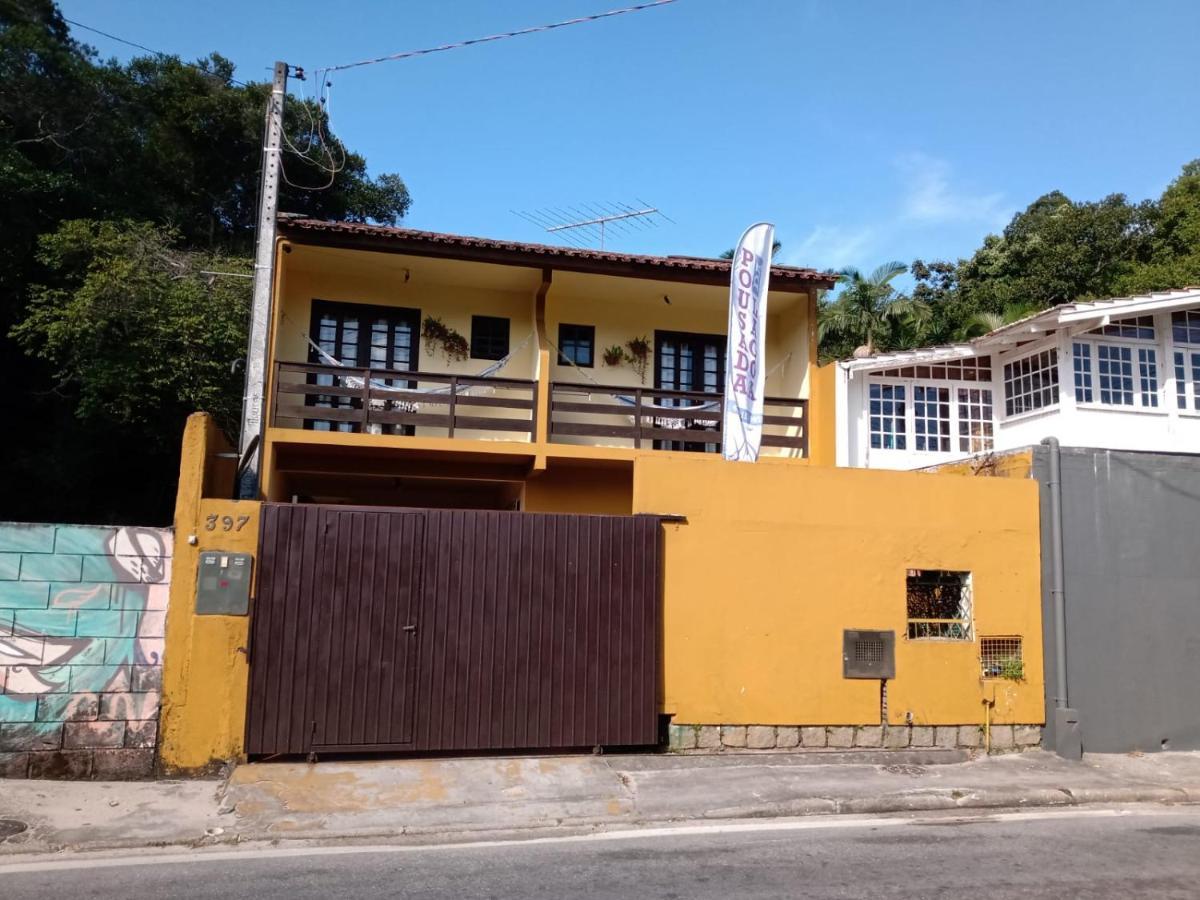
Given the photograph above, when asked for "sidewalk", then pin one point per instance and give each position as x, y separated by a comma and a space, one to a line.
476, 798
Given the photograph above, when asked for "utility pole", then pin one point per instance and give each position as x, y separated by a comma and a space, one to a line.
250, 441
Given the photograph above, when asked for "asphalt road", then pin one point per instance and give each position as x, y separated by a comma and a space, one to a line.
1146, 853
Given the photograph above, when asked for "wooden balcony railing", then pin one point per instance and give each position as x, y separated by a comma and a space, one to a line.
390, 401
675, 419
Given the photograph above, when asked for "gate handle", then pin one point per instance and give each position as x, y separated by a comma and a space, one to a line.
410, 628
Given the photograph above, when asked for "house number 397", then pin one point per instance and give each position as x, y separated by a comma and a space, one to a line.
228, 523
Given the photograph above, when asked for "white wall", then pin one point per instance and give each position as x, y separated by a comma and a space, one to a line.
1164, 428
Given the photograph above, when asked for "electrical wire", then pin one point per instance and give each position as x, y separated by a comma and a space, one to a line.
498, 37
151, 50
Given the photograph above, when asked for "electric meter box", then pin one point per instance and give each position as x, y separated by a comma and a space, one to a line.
224, 584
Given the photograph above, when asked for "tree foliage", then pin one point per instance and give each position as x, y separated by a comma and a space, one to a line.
119, 182
1057, 250
134, 330
869, 313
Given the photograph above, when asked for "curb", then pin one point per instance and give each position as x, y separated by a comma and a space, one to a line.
916, 802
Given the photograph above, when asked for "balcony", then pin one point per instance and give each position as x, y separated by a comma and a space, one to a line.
388, 401
673, 420
426, 404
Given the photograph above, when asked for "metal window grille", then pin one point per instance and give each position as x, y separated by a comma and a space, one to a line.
868, 651
939, 605
1031, 383
1000, 657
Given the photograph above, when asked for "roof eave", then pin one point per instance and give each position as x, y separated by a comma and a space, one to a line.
315, 233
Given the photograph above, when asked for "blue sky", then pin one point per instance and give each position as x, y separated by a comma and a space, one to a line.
866, 131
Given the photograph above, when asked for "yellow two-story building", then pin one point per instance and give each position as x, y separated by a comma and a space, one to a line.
494, 515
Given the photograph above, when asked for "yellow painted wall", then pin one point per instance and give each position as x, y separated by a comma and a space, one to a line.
1014, 464
776, 560
205, 675
579, 489
822, 423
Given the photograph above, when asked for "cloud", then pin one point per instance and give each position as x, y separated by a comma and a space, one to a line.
930, 197
831, 247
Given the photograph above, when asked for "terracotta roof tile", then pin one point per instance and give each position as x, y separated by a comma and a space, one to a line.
539, 254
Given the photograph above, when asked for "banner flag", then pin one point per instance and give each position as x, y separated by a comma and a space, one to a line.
741, 426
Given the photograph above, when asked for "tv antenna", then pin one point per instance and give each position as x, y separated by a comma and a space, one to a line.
589, 224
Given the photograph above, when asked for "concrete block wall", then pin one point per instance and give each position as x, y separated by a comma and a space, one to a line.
737, 738
82, 617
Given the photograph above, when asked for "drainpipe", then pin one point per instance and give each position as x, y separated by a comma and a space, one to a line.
1068, 741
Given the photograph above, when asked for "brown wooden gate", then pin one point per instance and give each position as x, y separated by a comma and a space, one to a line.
405, 630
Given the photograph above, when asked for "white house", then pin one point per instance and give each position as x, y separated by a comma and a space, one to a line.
1121, 374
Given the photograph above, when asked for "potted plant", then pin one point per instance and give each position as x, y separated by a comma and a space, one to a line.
614, 355
438, 335
638, 352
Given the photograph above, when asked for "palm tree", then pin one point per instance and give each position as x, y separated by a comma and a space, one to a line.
982, 323
869, 312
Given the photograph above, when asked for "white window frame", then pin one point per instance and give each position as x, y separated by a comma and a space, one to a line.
955, 434
1187, 389
1135, 346
1001, 408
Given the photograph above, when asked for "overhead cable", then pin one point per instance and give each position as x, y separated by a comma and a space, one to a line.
151, 50
499, 37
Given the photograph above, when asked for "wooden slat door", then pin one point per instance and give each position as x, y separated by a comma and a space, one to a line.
335, 630
442, 630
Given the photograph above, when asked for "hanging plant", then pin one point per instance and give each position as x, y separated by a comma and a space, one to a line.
638, 350
438, 335
614, 355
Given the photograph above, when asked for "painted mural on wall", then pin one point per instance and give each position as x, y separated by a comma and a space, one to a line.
82, 619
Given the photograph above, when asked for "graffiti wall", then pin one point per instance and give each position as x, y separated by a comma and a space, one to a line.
82, 617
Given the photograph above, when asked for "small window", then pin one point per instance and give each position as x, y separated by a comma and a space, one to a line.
1000, 657
1185, 327
489, 337
1139, 328
576, 344
939, 605
1031, 383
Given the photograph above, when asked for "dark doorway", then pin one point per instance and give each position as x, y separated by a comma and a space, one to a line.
684, 361
362, 336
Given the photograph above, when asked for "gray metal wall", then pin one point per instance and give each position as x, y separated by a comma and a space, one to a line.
1132, 562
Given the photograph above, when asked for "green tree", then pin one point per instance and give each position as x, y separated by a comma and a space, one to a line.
176, 147
869, 313
134, 329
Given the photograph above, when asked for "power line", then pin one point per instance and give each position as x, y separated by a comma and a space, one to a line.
151, 50
499, 37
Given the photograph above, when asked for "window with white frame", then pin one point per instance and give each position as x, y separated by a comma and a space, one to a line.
1031, 383
931, 418
920, 417
889, 417
1185, 334
1117, 365
974, 420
